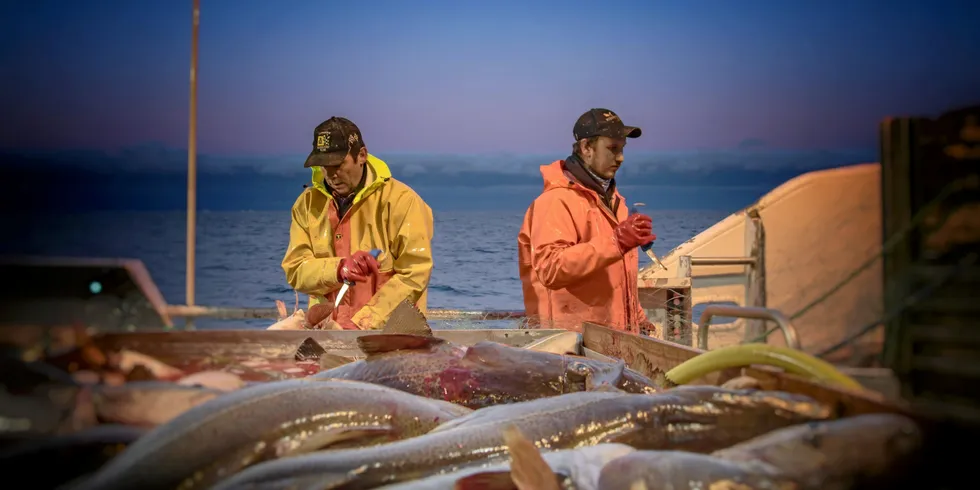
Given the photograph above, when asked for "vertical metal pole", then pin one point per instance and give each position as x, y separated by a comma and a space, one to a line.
192, 165
681, 304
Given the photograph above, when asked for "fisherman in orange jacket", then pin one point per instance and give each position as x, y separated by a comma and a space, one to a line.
577, 248
354, 206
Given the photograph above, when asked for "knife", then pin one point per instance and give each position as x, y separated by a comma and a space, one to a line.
647, 248
347, 284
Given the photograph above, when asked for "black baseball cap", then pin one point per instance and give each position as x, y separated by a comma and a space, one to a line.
603, 122
332, 142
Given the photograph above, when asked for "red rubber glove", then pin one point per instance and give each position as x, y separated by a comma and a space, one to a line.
357, 267
636, 230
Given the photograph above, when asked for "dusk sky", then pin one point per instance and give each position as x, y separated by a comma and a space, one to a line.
501, 76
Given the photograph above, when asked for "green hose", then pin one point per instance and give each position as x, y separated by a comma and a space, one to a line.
792, 360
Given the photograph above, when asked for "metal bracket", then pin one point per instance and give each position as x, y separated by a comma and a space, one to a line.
751, 312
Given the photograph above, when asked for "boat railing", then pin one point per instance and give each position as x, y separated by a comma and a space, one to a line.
670, 296
248, 313
768, 314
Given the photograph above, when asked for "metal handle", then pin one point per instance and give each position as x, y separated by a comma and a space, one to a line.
750, 312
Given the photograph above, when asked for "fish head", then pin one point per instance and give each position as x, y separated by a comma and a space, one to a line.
596, 375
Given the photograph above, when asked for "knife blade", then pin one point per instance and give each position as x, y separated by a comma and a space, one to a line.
648, 248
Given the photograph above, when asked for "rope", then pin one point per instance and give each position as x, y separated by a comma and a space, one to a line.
892, 242
912, 300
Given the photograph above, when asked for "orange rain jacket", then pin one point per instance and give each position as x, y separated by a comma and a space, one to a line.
387, 215
570, 264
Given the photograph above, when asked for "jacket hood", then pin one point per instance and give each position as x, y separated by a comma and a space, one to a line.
378, 174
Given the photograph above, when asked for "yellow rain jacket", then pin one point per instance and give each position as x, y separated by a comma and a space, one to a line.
387, 215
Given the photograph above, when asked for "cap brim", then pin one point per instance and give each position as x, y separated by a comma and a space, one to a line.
632, 132
324, 159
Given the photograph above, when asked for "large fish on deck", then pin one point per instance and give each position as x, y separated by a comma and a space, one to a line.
832, 455
267, 421
485, 374
528, 469
702, 420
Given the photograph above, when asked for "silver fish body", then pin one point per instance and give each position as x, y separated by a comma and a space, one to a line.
693, 420
210, 441
580, 466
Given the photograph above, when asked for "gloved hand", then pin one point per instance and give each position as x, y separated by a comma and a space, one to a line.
357, 267
636, 230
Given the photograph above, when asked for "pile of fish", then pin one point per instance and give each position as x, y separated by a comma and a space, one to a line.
411, 411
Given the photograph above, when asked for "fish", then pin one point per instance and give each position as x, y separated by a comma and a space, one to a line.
65, 457
296, 321
330, 360
148, 403
269, 420
126, 361
832, 455
693, 420
218, 380
486, 374
680, 470
579, 466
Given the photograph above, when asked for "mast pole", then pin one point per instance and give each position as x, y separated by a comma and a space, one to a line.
192, 163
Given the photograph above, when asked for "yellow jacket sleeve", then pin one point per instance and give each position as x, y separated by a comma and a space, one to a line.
410, 228
305, 272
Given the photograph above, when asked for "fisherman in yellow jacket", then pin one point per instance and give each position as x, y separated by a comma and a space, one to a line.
354, 206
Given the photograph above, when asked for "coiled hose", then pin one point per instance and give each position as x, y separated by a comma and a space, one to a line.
792, 360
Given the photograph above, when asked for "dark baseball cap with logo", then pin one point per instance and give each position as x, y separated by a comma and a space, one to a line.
332, 142
603, 122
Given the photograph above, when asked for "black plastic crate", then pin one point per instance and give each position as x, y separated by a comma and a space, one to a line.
930, 174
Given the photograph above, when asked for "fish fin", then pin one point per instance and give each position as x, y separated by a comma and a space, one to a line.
309, 350
488, 480
330, 361
381, 343
406, 318
325, 438
281, 309
528, 469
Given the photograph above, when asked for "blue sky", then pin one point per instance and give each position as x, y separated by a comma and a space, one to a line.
480, 77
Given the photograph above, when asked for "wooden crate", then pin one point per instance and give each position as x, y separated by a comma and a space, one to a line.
931, 223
